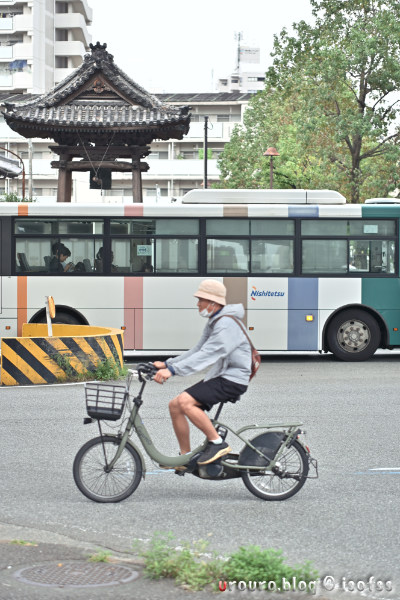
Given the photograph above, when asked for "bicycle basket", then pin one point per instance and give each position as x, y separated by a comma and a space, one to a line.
105, 401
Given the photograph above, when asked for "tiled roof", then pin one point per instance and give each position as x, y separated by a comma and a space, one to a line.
95, 114
96, 95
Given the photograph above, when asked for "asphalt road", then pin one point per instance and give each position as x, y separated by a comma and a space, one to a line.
346, 522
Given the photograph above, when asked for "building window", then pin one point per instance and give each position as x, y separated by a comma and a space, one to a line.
153, 192
61, 35
223, 118
118, 192
159, 155
61, 62
61, 7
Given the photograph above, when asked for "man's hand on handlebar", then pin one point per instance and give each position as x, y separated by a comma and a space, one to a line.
162, 375
159, 365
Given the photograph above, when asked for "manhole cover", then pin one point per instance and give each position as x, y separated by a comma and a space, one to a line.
77, 574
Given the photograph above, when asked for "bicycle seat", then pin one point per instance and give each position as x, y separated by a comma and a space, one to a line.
235, 399
221, 404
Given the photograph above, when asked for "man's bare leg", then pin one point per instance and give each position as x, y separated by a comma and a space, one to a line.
184, 406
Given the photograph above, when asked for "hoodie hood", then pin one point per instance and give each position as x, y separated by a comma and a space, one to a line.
236, 310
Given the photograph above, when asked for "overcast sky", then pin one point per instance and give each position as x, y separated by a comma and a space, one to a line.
183, 46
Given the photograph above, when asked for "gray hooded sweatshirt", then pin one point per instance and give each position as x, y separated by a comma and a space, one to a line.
223, 346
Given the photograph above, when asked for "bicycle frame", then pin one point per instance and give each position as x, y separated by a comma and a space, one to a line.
135, 423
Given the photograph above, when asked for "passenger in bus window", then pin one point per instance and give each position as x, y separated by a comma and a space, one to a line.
58, 262
99, 261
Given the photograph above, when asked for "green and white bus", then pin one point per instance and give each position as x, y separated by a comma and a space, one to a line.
313, 273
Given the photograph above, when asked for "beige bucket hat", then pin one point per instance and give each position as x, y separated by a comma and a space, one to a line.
213, 290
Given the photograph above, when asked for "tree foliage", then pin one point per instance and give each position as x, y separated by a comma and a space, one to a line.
330, 105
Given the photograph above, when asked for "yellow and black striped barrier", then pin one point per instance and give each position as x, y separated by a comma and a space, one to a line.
72, 351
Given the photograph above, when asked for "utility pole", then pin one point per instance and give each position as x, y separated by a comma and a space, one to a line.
238, 37
205, 182
30, 183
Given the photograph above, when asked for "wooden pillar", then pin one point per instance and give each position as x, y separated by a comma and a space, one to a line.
136, 181
64, 189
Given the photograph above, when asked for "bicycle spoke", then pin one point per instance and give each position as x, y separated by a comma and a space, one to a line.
98, 484
286, 478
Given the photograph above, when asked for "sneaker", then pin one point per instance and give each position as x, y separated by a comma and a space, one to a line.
213, 452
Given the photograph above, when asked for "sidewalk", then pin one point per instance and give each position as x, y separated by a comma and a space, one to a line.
51, 560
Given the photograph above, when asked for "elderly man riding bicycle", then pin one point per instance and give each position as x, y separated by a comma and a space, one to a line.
224, 347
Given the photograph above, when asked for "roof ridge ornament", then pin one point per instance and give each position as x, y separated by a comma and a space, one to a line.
99, 53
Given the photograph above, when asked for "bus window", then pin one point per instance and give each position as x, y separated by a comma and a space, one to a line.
38, 255
227, 256
272, 256
324, 256
158, 255
375, 256
176, 256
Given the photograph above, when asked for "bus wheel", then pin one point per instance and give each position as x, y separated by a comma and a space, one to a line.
61, 318
353, 335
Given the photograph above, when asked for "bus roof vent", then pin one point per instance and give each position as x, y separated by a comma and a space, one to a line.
382, 201
263, 197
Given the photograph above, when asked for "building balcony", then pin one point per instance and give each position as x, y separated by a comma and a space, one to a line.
180, 169
6, 81
6, 24
75, 22
69, 49
21, 80
22, 50
22, 23
216, 131
6, 52
83, 7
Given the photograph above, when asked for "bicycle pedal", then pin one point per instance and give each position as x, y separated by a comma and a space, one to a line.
179, 472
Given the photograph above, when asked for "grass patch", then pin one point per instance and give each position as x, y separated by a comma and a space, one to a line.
194, 568
23, 543
251, 563
100, 556
185, 564
107, 369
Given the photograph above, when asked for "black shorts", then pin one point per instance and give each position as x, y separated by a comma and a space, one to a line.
214, 391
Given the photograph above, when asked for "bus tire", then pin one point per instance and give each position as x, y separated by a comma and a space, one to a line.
353, 335
61, 318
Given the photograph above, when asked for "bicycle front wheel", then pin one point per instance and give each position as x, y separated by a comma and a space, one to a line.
285, 481
91, 474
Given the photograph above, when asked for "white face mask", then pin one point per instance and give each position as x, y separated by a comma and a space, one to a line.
205, 313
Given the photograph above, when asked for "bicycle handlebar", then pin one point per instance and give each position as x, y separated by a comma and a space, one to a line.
146, 371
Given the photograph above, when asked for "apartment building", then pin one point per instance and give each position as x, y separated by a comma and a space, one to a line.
41, 42
245, 82
178, 166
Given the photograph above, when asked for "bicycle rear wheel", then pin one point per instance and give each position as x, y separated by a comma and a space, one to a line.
95, 482
288, 478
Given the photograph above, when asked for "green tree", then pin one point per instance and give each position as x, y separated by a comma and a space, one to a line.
330, 104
